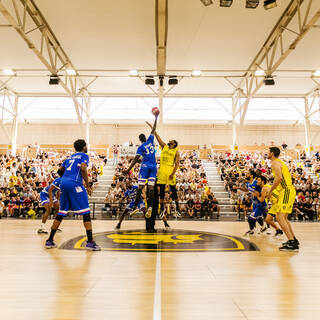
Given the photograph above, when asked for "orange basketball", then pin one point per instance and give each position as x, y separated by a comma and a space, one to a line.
155, 111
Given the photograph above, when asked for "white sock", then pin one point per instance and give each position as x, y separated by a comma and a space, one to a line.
42, 226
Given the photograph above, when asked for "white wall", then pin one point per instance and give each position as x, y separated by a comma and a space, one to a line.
184, 134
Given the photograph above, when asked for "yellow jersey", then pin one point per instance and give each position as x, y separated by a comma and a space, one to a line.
167, 156
286, 181
274, 194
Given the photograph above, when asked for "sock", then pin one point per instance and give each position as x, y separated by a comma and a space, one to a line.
252, 223
52, 233
41, 225
89, 235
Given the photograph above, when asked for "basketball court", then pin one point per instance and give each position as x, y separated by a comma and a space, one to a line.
227, 77
225, 284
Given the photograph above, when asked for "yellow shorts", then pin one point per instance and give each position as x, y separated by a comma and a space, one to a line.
285, 202
163, 176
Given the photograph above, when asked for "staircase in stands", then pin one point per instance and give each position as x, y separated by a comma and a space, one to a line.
216, 184
97, 199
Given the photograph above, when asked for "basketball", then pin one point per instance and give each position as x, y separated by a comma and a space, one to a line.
155, 111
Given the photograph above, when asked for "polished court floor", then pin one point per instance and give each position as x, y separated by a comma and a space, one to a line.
75, 284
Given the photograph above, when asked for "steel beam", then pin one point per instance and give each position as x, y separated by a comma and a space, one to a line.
47, 48
275, 50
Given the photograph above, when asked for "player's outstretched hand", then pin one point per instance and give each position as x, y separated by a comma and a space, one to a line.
149, 124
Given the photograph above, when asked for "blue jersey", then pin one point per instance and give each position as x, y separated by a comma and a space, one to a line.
56, 183
254, 187
73, 167
131, 193
148, 152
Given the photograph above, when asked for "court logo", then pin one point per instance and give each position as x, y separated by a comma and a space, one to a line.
163, 240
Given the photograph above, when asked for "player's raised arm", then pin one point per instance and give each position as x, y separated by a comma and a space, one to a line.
133, 162
153, 130
160, 141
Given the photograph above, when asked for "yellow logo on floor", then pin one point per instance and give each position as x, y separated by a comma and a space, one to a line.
153, 238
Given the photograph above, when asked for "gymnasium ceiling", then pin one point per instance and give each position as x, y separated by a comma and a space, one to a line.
108, 38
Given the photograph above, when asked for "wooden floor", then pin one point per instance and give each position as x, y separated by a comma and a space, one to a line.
71, 285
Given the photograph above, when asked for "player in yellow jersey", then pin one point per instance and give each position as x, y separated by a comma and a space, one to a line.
274, 196
169, 164
286, 197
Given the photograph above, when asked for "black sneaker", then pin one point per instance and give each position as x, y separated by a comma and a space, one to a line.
289, 246
296, 241
279, 232
249, 233
166, 225
117, 227
262, 230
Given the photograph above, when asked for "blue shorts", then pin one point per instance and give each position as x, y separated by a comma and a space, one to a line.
73, 197
257, 211
147, 172
140, 205
44, 198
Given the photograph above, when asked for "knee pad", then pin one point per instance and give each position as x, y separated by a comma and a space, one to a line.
59, 217
86, 217
151, 183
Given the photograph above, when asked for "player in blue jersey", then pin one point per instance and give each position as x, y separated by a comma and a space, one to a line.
74, 196
148, 169
258, 207
49, 198
131, 193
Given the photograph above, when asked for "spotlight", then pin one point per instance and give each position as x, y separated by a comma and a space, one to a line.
252, 4
173, 80
54, 79
269, 81
269, 4
196, 73
207, 2
259, 72
71, 72
316, 73
8, 72
149, 81
226, 3
133, 73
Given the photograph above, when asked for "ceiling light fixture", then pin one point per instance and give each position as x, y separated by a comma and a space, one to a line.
226, 3
54, 79
269, 4
149, 81
252, 4
8, 72
269, 80
173, 80
133, 73
196, 73
71, 72
207, 2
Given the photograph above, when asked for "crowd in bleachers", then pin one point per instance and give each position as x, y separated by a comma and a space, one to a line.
196, 199
234, 171
22, 180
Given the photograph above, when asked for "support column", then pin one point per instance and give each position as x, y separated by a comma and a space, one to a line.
307, 134
88, 122
234, 146
160, 97
14, 131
